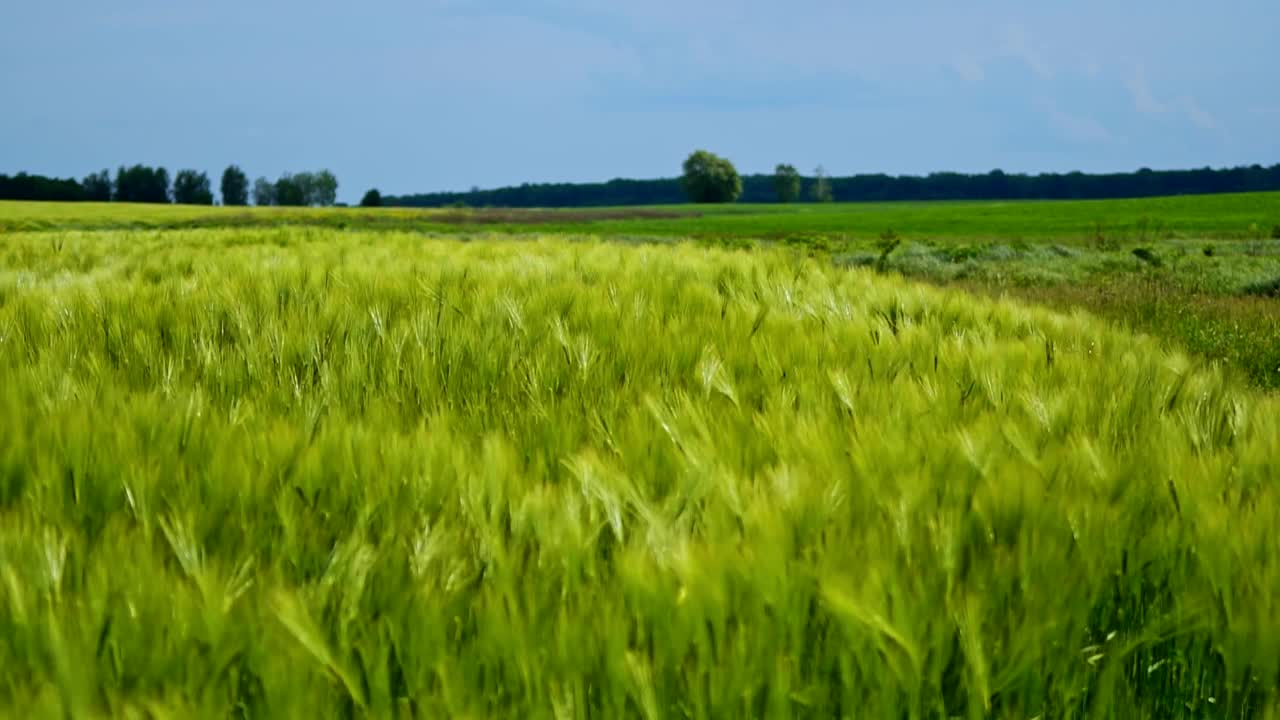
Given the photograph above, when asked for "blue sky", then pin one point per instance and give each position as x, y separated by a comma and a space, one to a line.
449, 94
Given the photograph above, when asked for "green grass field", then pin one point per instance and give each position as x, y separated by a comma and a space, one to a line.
1243, 216
385, 471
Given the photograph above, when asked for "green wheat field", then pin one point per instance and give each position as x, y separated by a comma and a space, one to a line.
305, 470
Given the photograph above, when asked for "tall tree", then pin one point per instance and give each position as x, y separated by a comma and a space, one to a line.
191, 187
142, 184
159, 191
293, 190
235, 186
709, 178
786, 183
306, 183
97, 187
821, 189
123, 186
324, 189
373, 198
264, 192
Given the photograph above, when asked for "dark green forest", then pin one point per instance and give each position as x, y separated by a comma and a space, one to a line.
995, 185
151, 185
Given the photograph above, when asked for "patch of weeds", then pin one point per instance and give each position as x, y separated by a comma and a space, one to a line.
1143, 225
1001, 253
887, 246
959, 253
1148, 256
854, 259
1256, 248
1100, 239
1266, 288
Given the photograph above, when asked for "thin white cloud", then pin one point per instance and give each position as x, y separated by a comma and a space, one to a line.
1018, 45
1078, 128
1144, 101
968, 69
1092, 68
454, 56
1196, 114
970, 62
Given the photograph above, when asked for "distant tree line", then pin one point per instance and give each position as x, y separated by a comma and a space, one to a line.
143, 184
37, 187
995, 185
140, 183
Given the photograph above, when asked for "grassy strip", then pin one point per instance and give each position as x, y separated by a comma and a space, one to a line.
1242, 332
1218, 301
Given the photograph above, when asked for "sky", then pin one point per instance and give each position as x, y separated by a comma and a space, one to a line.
450, 94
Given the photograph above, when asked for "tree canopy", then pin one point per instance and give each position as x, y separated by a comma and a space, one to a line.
373, 198
191, 187
142, 184
820, 190
306, 188
97, 186
235, 186
786, 183
264, 192
291, 190
37, 187
323, 190
709, 178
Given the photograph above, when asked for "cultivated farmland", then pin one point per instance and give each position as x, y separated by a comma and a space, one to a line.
301, 471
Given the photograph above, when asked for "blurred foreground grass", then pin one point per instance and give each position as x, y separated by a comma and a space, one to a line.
298, 472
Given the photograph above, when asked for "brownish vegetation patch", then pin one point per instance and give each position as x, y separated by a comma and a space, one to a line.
518, 216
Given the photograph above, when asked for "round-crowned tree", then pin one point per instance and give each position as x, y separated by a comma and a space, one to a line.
373, 198
709, 178
235, 186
